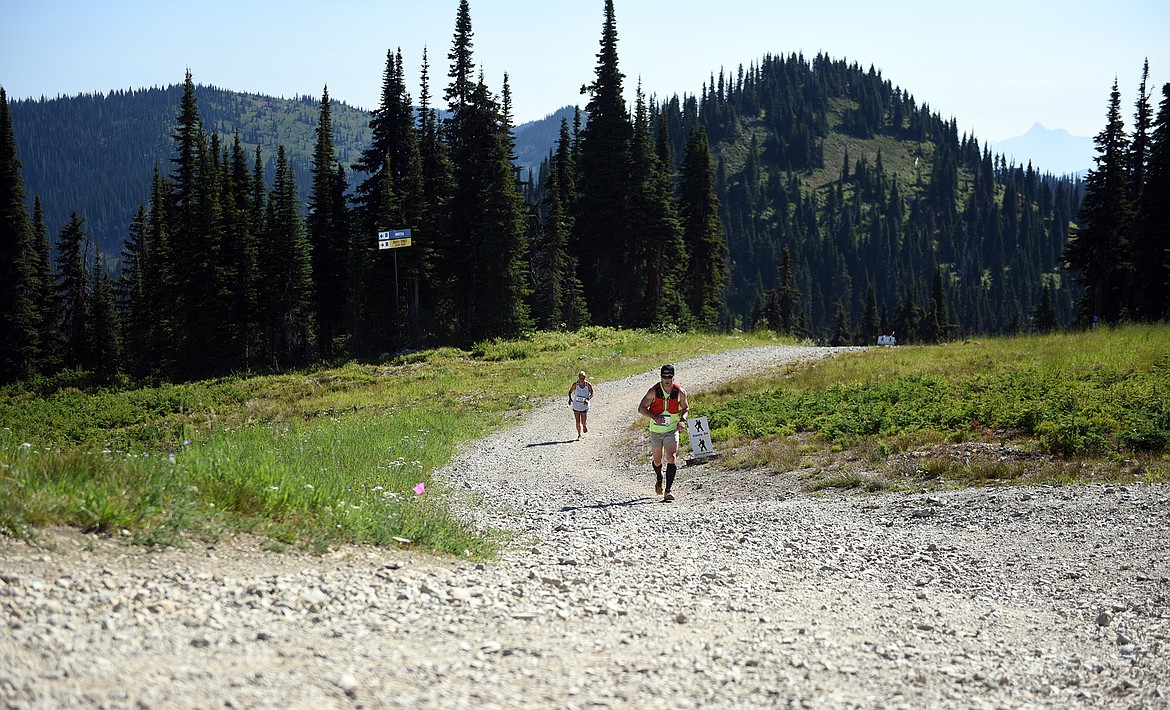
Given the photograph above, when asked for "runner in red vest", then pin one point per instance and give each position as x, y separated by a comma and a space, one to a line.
665, 404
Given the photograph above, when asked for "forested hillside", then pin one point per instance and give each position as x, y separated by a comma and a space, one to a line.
189, 232
95, 154
843, 194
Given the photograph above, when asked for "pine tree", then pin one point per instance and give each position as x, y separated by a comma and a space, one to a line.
132, 295
243, 222
870, 327
601, 220
656, 240
842, 330
1099, 250
487, 244
936, 326
327, 233
782, 306
49, 308
394, 174
102, 322
19, 317
287, 273
706, 248
1044, 315
73, 281
195, 234
437, 185
1151, 237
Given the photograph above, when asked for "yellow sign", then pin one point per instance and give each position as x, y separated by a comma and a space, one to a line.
393, 243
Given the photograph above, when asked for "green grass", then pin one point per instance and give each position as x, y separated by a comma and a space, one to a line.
1082, 406
309, 459
322, 457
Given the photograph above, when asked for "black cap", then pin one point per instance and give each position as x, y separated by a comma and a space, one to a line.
667, 370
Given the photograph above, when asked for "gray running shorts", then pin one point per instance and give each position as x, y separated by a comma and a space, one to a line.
659, 441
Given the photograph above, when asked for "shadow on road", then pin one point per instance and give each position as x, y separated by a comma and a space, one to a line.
549, 443
619, 504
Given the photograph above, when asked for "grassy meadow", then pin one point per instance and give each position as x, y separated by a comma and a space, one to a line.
1053, 409
312, 458
329, 456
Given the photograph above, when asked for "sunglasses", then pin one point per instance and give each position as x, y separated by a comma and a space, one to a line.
668, 377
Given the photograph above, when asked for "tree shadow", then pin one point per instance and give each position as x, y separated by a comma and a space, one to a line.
620, 504
549, 443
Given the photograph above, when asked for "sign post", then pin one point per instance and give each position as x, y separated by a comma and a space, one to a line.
700, 437
394, 239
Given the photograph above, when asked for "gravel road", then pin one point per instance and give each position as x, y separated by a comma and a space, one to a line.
744, 592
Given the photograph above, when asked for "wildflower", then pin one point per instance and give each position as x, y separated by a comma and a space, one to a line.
420, 488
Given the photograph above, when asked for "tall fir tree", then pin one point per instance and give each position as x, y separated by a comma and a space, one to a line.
102, 322
392, 165
1151, 234
49, 308
1099, 251
601, 220
19, 317
133, 295
287, 270
706, 249
73, 283
656, 239
488, 231
195, 241
328, 234
437, 185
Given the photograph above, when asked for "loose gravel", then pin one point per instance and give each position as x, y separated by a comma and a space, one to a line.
744, 592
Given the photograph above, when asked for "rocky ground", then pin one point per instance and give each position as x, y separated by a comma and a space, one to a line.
744, 592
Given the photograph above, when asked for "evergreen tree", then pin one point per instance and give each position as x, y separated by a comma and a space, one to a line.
487, 242
73, 277
102, 322
1099, 250
243, 222
782, 307
601, 235
132, 295
706, 249
19, 317
287, 273
656, 240
1151, 240
936, 326
842, 330
394, 175
436, 249
1044, 315
870, 327
327, 233
194, 238
48, 300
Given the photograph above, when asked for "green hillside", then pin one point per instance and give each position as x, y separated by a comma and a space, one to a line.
95, 154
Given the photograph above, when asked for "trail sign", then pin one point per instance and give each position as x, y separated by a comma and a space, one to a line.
394, 238
700, 437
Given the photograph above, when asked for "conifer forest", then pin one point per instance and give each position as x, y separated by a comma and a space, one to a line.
804, 195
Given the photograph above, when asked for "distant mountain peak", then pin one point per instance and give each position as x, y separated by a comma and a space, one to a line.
1050, 150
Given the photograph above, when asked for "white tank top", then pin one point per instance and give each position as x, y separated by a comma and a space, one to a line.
581, 398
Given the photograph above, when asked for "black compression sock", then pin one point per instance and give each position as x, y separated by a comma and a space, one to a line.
671, 469
658, 472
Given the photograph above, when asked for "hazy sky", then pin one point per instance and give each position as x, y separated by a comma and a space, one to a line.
996, 66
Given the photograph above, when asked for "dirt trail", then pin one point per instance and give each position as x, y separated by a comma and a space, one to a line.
742, 593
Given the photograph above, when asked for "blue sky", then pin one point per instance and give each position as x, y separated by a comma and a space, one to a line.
996, 66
